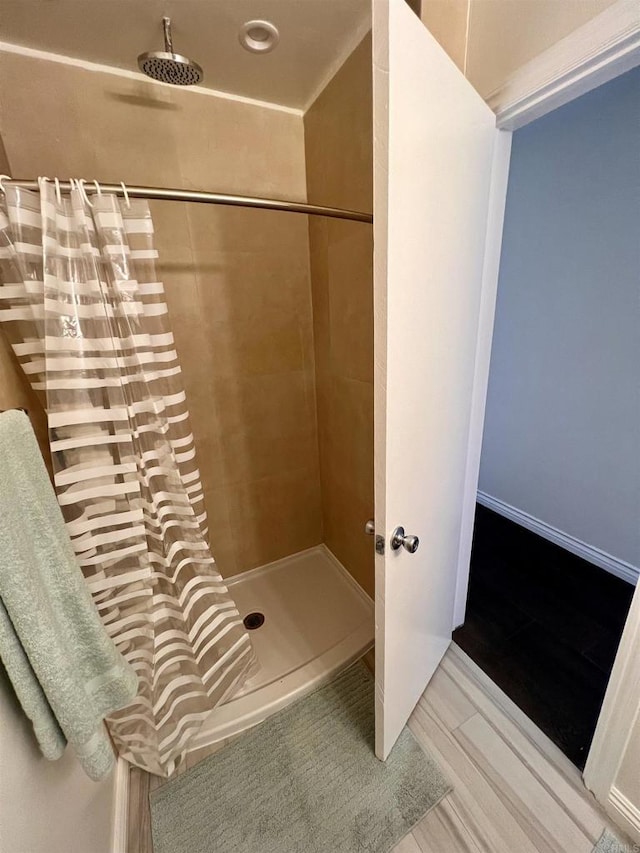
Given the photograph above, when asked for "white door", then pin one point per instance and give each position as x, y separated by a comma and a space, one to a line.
435, 148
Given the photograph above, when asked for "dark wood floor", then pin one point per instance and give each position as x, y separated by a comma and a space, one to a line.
545, 626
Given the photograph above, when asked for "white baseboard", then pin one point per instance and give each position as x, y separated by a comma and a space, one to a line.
120, 822
605, 561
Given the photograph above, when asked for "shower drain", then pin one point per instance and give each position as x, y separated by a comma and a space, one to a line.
253, 621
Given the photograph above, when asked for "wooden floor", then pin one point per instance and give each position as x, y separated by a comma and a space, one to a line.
545, 625
514, 791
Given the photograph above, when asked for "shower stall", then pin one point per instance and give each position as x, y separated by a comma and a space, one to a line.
271, 308
272, 311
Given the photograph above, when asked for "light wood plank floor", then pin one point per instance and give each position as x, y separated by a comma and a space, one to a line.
513, 790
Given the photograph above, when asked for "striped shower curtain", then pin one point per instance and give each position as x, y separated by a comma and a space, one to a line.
82, 307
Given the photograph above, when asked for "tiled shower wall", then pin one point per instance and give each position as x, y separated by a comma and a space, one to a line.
237, 281
338, 140
238, 287
14, 391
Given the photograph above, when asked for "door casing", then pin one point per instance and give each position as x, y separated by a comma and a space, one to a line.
602, 49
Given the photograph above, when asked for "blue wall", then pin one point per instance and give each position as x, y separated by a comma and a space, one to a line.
562, 430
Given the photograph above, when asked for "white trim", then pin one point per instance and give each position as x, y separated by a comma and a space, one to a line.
594, 555
33, 53
598, 51
350, 45
619, 712
486, 316
120, 818
625, 812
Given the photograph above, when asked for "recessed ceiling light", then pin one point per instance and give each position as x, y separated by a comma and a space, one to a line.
258, 36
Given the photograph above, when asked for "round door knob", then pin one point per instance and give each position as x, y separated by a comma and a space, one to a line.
400, 540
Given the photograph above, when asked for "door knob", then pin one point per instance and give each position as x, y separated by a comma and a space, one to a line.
400, 540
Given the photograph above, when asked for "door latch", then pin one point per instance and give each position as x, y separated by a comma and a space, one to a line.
370, 530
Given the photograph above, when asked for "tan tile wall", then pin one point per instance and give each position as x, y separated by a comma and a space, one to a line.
15, 392
237, 281
338, 139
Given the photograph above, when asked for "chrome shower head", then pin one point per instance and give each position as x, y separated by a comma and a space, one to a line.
167, 66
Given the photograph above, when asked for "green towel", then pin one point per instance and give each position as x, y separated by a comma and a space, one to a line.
65, 669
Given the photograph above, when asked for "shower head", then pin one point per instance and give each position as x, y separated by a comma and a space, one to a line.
167, 66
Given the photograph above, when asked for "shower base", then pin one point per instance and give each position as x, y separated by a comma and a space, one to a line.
317, 622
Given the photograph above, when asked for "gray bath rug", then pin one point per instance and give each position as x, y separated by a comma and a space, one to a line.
610, 844
304, 780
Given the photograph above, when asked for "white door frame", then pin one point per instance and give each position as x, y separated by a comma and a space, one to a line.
600, 50
618, 716
603, 48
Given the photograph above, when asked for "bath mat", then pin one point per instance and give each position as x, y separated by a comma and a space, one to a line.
304, 780
610, 844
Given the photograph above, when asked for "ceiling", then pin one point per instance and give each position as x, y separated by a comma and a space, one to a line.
315, 38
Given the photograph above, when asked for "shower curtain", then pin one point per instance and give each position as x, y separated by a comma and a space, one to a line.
82, 307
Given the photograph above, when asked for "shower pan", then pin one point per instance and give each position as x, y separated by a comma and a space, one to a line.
317, 621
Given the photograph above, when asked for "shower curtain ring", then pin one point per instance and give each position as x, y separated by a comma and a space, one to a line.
58, 193
98, 188
4, 178
126, 195
76, 186
81, 183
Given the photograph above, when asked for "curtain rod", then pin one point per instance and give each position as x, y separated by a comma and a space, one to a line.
163, 194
